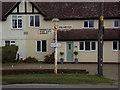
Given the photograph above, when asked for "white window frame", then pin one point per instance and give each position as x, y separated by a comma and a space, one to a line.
34, 21
117, 46
88, 24
11, 42
118, 23
41, 46
84, 46
17, 21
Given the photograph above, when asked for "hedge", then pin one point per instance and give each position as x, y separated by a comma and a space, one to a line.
9, 53
40, 71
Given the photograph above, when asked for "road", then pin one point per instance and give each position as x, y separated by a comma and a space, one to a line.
59, 86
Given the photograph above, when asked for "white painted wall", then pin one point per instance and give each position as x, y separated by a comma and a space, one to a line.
14, 34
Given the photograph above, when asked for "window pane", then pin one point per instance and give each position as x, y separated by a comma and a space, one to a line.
14, 21
44, 45
115, 23
91, 24
93, 46
38, 46
19, 23
115, 45
85, 23
36, 21
12, 43
87, 45
20, 17
69, 46
81, 45
7, 43
31, 20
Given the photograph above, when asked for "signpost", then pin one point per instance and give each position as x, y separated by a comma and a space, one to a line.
55, 20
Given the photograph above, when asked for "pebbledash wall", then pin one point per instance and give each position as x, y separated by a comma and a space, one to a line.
27, 42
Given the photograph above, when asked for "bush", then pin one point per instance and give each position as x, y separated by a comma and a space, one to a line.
30, 60
49, 58
9, 53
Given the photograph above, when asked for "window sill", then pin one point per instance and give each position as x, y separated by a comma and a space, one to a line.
17, 29
41, 52
88, 50
115, 50
116, 27
88, 28
34, 27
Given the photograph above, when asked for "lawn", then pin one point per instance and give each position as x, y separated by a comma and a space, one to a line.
55, 79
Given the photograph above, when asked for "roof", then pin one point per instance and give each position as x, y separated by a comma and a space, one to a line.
76, 35
70, 10
79, 10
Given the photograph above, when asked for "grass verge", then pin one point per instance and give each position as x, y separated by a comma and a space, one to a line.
55, 79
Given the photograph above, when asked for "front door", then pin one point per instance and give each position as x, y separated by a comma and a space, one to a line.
69, 51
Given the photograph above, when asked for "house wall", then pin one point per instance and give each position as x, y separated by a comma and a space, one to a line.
109, 54
14, 34
27, 43
91, 56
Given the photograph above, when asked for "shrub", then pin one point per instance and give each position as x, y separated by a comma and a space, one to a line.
9, 53
30, 60
61, 53
49, 58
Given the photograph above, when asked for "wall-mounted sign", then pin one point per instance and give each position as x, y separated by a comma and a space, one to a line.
55, 44
65, 26
45, 31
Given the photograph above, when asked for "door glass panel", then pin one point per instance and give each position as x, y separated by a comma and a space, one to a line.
69, 46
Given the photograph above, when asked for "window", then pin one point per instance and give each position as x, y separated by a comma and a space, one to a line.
88, 24
116, 45
116, 24
16, 22
9, 43
34, 21
81, 45
41, 46
87, 45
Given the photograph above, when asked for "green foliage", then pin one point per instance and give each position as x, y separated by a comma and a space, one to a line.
76, 53
61, 53
55, 79
9, 53
49, 58
30, 60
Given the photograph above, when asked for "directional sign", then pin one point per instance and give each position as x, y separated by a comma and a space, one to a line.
65, 27
55, 44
